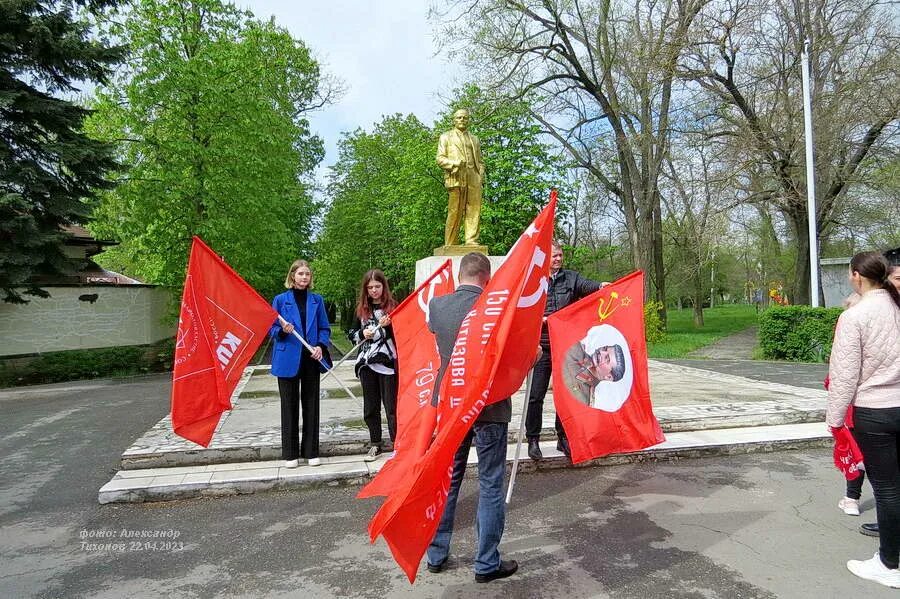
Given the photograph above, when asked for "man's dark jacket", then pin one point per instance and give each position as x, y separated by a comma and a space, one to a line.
566, 287
445, 315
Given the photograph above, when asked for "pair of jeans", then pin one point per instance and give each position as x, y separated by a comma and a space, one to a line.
490, 445
877, 431
300, 389
540, 381
379, 389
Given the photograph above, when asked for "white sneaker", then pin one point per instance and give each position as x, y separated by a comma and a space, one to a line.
850, 506
291, 463
314, 462
874, 570
372, 455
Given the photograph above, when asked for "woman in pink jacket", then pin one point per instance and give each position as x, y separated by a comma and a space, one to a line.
864, 371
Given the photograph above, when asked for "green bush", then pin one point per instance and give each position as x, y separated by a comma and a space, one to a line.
54, 367
654, 330
797, 333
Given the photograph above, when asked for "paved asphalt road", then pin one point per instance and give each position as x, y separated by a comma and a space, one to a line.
763, 525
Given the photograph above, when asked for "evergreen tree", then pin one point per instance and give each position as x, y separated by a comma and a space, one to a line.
49, 169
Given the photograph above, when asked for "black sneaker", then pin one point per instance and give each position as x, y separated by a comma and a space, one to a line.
437, 568
534, 449
869, 529
506, 569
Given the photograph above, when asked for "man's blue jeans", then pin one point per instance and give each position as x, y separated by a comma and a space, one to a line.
490, 445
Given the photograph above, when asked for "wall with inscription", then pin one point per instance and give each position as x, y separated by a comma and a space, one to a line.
83, 317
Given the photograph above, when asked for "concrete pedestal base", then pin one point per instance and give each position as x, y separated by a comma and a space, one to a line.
426, 266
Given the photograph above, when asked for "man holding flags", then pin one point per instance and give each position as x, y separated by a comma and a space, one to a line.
492, 352
488, 432
566, 286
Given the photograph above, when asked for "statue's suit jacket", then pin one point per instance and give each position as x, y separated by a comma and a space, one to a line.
451, 151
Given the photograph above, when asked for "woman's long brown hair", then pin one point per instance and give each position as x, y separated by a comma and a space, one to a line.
875, 267
388, 302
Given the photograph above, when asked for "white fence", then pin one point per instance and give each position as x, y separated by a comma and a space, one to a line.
83, 317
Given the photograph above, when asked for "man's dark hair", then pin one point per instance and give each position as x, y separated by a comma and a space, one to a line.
893, 257
619, 371
475, 265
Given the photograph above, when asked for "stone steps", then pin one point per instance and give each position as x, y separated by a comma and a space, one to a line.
204, 480
259, 446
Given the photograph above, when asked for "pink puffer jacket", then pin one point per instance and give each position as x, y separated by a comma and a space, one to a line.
864, 369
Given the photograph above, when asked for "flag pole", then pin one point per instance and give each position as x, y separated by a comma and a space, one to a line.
515, 466
328, 370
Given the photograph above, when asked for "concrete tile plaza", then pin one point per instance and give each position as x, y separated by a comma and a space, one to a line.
701, 411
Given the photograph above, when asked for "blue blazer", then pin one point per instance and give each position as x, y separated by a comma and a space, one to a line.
286, 352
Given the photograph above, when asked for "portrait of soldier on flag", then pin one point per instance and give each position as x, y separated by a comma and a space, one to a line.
597, 369
601, 384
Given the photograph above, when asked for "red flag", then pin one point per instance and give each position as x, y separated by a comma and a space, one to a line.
222, 322
490, 365
418, 361
847, 456
601, 388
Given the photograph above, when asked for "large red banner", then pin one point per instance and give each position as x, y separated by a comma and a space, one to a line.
222, 322
418, 361
601, 388
494, 350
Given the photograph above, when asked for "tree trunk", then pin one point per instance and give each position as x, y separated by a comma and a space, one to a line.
698, 310
697, 296
658, 264
799, 223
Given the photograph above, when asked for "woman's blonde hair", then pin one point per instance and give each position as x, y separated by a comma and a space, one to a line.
289, 280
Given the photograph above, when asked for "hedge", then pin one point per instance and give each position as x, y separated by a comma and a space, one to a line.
797, 333
54, 367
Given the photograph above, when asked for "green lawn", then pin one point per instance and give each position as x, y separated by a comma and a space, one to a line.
683, 337
339, 339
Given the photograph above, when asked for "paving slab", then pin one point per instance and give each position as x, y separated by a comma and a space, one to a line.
797, 374
684, 398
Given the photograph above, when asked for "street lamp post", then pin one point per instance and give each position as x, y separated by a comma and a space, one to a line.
810, 181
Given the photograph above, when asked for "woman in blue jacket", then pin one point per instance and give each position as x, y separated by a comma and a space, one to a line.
296, 367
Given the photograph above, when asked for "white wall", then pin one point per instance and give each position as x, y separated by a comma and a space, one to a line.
120, 315
834, 281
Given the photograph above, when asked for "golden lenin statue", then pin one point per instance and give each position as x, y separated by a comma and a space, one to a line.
459, 155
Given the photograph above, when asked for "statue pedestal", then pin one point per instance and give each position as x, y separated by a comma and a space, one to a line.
426, 266
459, 250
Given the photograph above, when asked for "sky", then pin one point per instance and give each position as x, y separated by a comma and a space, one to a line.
383, 51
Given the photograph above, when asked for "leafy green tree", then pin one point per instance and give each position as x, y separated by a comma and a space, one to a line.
210, 118
746, 57
49, 170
